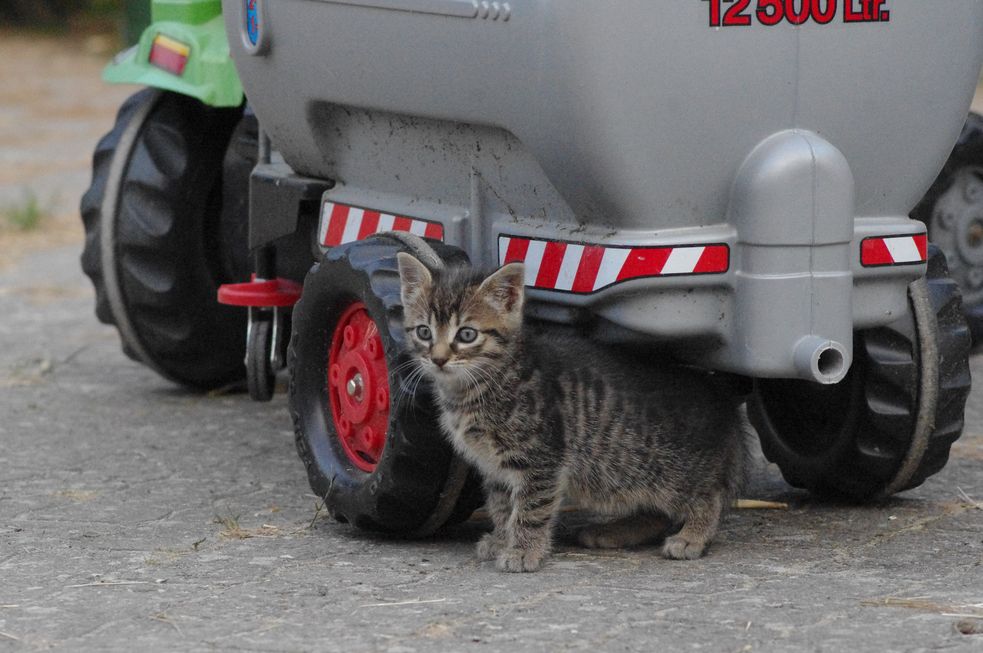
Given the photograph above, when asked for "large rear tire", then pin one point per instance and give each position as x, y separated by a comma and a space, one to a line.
890, 423
166, 225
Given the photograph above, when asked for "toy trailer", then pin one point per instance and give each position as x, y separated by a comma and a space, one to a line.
727, 180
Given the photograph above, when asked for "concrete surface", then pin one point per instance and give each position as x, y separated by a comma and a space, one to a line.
136, 516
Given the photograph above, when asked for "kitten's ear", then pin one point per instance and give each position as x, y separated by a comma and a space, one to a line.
415, 279
505, 289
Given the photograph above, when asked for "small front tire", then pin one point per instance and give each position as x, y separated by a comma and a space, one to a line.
260, 375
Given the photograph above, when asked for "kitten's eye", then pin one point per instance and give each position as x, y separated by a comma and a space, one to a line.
466, 335
423, 332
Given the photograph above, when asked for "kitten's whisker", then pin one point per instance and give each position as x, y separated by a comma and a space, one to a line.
406, 364
419, 379
492, 376
474, 382
407, 387
481, 375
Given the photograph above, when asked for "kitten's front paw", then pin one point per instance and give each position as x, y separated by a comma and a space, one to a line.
489, 546
520, 560
678, 547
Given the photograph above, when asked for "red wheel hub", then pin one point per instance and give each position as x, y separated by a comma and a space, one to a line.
358, 387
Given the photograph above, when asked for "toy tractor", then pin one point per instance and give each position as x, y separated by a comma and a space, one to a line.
727, 181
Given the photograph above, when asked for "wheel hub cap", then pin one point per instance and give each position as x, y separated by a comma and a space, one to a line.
358, 387
957, 227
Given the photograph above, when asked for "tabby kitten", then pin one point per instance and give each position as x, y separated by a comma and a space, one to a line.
548, 417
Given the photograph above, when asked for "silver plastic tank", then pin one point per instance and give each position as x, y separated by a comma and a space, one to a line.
639, 126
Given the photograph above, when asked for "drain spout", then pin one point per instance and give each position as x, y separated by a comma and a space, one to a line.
821, 360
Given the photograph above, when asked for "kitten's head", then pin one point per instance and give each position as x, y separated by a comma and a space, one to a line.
458, 324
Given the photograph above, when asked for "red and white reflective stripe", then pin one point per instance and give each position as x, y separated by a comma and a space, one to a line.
894, 250
585, 268
341, 223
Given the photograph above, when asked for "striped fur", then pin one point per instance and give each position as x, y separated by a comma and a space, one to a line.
548, 417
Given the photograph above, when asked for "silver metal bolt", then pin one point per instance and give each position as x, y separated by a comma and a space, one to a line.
355, 386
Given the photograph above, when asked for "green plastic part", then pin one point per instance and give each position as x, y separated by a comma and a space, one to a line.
209, 73
137, 17
189, 12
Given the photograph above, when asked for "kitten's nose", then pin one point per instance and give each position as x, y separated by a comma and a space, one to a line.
439, 362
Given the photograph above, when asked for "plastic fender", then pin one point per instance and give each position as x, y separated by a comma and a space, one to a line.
208, 73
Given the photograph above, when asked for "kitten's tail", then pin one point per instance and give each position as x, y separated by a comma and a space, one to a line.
742, 455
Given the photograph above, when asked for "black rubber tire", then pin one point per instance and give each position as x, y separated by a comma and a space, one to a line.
260, 376
950, 229
173, 240
850, 440
403, 491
